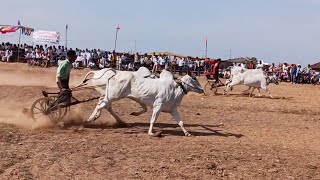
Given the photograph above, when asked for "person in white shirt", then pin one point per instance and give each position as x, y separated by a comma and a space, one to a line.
88, 55
161, 61
190, 63
29, 58
181, 64
202, 63
197, 64
155, 63
143, 60
84, 55
119, 61
8, 54
130, 66
259, 65
109, 56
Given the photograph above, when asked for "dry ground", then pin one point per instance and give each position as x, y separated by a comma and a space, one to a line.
235, 137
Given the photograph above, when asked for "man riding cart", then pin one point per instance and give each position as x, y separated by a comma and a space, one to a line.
212, 70
63, 76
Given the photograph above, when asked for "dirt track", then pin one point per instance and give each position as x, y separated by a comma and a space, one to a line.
235, 137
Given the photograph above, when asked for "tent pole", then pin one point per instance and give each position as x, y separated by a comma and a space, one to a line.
20, 32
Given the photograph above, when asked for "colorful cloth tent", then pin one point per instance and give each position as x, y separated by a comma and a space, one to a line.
8, 29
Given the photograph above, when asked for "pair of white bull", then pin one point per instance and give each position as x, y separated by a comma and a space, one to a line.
163, 94
253, 78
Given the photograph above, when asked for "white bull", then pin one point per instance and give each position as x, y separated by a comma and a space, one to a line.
162, 95
238, 69
255, 79
100, 79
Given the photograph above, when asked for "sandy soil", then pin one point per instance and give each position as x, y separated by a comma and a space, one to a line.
235, 137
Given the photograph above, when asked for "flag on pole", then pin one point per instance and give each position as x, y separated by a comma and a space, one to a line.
22, 31
206, 40
66, 26
118, 27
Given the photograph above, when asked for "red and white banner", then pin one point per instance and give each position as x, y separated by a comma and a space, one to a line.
51, 37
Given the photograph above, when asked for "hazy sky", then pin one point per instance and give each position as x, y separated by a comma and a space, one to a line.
271, 30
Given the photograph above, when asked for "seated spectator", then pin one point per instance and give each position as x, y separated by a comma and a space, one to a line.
91, 64
101, 63
45, 61
130, 66
29, 57
9, 55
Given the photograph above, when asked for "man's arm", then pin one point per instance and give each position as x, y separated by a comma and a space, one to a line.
59, 84
60, 71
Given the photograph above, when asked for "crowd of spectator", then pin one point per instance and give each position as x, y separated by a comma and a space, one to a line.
48, 56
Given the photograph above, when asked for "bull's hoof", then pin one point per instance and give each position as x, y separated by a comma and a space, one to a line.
121, 124
188, 134
88, 121
157, 134
134, 114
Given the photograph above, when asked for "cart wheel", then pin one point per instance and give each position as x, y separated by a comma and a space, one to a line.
46, 108
64, 110
209, 88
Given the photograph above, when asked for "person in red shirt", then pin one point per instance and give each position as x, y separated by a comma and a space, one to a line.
216, 70
209, 68
251, 65
213, 69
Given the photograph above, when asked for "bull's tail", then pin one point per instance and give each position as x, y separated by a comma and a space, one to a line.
86, 79
92, 72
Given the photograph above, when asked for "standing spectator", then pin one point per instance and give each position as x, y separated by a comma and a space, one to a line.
189, 63
161, 61
197, 66
271, 69
202, 64
136, 61
45, 49
308, 71
119, 61
143, 60
174, 64
88, 55
113, 60
109, 57
9, 54
293, 73
181, 64
50, 56
251, 65
58, 53
95, 57
148, 61
104, 59
29, 57
167, 62
155, 63
299, 73
216, 70
259, 65
83, 54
